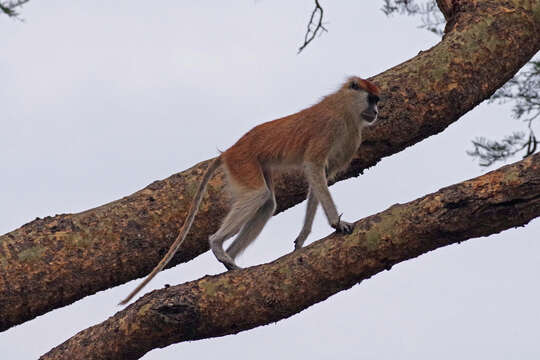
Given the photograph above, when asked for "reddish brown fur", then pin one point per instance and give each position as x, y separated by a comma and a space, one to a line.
305, 136
322, 138
369, 87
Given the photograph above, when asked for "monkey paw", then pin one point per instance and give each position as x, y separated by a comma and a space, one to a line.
344, 227
299, 242
231, 266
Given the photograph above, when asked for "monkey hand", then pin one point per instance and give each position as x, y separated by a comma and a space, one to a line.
343, 227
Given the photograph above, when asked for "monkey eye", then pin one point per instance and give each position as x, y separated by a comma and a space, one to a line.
354, 86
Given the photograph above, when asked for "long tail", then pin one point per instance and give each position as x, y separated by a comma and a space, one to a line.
183, 232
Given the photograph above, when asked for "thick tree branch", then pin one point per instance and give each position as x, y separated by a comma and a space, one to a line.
216, 305
54, 261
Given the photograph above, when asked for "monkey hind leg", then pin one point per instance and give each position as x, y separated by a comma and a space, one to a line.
243, 210
252, 228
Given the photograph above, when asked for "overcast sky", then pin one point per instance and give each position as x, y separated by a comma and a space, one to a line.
100, 98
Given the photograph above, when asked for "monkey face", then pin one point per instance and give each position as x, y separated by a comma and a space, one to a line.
369, 115
367, 95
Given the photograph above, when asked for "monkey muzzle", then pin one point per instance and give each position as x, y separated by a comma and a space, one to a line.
369, 117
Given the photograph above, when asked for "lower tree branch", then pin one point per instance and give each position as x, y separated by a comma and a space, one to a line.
243, 299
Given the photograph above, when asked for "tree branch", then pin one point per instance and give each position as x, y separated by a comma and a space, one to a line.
54, 261
447, 8
216, 305
319, 27
524, 91
428, 9
9, 7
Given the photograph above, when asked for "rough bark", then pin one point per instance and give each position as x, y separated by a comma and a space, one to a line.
447, 8
216, 305
54, 261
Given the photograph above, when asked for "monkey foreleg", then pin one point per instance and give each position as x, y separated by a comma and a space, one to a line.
319, 184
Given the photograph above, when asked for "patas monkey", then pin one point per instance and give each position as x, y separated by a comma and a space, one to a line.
320, 140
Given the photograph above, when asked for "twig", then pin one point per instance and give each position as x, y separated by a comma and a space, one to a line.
310, 32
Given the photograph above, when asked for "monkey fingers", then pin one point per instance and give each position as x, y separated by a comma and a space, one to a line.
344, 227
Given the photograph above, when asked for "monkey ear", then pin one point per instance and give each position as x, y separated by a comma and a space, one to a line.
354, 85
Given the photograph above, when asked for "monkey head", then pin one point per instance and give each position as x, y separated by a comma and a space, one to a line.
367, 97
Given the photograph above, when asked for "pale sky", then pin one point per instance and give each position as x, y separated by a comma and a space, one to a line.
100, 98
